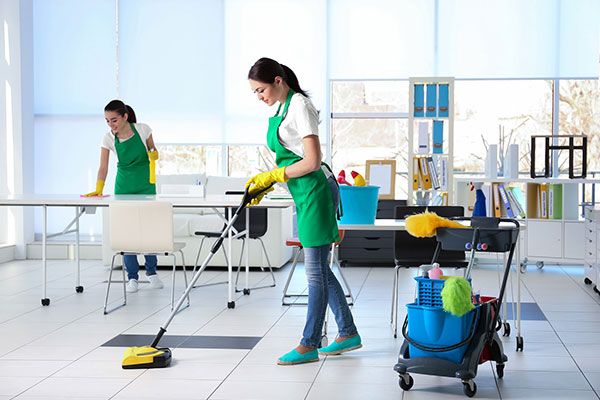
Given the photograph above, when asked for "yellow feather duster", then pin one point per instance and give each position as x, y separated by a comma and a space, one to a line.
425, 224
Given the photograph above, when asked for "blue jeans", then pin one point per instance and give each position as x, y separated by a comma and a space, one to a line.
133, 267
324, 288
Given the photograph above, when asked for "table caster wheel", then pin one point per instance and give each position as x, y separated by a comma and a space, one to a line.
79, 289
523, 267
539, 264
587, 281
45, 302
519, 343
231, 304
246, 292
596, 289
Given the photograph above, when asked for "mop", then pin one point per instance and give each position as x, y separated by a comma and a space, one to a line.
160, 357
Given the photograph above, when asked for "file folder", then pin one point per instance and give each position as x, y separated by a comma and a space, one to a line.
435, 181
424, 170
443, 100
431, 103
419, 100
416, 178
438, 137
504, 196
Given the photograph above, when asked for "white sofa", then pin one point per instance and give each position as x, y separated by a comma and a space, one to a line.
187, 221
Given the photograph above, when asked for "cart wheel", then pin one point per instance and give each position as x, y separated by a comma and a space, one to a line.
506, 327
587, 281
406, 381
539, 264
519, 343
596, 289
500, 370
45, 302
79, 289
324, 341
231, 304
470, 388
246, 292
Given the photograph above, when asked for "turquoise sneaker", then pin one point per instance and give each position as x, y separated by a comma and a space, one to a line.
294, 357
344, 346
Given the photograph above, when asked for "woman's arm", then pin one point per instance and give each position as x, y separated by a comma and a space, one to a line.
103, 169
311, 161
150, 143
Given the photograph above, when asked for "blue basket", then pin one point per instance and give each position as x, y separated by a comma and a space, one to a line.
359, 204
433, 327
429, 292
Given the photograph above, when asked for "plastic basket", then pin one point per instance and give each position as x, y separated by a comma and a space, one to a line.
359, 204
431, 329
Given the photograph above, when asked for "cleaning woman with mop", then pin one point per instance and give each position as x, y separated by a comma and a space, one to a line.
293, 136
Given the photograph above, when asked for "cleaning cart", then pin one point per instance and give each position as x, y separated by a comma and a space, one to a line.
438, 343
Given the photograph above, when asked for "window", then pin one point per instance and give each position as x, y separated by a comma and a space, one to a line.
188, 159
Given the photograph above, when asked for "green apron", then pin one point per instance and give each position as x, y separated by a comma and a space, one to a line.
317, 225
133, 167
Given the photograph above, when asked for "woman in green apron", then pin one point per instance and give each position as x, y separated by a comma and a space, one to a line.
293, 136
134, 147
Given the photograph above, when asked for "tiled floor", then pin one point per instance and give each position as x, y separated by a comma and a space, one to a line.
55, 352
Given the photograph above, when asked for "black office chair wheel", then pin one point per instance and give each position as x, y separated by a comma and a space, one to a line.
596, 289
79, 289
45, 302
506, 327
587, 281
246, 292
231, 304
406, 382
470, 388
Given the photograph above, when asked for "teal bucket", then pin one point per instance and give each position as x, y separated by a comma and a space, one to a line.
359, 204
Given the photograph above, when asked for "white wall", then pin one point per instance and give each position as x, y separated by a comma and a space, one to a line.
15, 118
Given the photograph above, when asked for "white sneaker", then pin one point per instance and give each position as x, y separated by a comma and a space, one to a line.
155, 282
132, 286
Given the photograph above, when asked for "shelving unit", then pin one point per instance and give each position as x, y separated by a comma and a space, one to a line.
590, 261
556, 240
442, 157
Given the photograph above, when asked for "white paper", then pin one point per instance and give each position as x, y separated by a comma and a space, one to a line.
381, 175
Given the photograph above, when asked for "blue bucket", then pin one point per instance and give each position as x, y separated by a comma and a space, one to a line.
359, 204
434, 327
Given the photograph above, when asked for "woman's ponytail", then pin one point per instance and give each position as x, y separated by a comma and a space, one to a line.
292, 80
121, 108
131, 118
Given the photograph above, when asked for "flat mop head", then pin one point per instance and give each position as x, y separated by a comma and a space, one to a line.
146, 357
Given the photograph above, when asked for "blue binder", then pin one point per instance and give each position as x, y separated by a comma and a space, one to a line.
419, 101
438, 137
443, 100
431, 106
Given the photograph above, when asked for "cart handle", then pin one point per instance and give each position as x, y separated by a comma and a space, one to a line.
445, 348
509, 220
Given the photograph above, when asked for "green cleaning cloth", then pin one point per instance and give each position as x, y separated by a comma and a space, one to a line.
456, 296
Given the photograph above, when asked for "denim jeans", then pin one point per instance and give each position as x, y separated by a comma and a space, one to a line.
133, 267
323, 289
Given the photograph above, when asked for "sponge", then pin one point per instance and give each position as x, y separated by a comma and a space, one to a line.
425, 224
456, 296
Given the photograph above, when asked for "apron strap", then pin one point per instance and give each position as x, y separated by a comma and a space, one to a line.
339, 213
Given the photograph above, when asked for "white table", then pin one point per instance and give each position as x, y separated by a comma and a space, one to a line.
83, 204
400, 225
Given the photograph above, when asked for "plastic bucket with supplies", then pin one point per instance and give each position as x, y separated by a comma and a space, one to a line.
359, 204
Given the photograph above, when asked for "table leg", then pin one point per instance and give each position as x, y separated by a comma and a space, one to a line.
78, 287
247, 286
45, 299
519, 273
231, 302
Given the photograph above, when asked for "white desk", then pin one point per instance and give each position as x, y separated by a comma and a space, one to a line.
82, 203
400, 225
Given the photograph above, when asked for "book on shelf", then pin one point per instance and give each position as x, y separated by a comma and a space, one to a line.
431, 100
416, 174
419, 100
555, 200
515, 204
505, 201
438, 137
543, 201
443, 100
435, 180
496, 202
424, 172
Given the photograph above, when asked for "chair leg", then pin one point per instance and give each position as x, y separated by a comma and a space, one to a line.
112, 265
185, 279
268, 262
239, 266
173, 281
247, 290
345, 282
289, 279
196, 264
395, 301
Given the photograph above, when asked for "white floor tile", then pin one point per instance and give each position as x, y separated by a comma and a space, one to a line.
78, 388
275, 373
539, 394
11, 386
261, 390
175, 389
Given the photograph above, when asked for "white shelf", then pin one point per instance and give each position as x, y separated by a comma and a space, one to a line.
525, 180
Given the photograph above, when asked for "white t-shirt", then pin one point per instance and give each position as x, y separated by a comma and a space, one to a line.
301, 120
108, 140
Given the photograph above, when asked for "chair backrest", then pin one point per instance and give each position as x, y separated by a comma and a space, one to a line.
141, 226
408, 248
259, 218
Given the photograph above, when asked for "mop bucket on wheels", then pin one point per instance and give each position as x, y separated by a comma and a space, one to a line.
438, 343
359, 204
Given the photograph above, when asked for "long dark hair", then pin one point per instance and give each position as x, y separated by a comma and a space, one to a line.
265, 70
121, 108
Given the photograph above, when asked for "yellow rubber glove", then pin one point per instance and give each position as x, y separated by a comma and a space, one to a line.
153, 156
263, 180
98, 191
